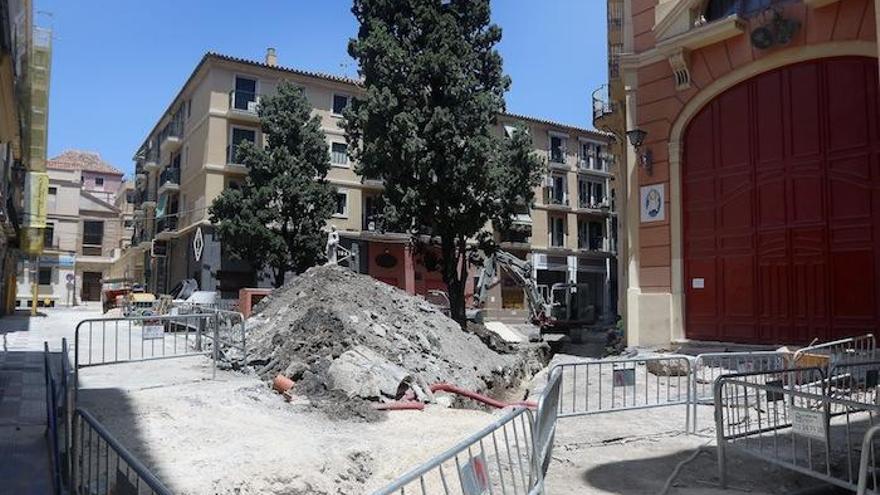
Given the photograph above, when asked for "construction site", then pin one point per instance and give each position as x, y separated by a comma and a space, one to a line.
338, 383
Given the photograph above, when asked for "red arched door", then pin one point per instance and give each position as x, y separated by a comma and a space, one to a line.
781, 207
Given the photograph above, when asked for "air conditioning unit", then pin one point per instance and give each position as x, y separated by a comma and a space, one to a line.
371, 226
252, 106
548, 181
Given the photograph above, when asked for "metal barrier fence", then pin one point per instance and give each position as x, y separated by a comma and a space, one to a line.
101, 465
790, 425
862, 347
140, 338
53, 421
499, 458
593, 387
708, 367
546, 416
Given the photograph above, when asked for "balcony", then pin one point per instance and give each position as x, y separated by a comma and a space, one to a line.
603, 107
169, 180
243, 106
596, 244
170, 139
594, 204
166, 226
151, 160
600, 165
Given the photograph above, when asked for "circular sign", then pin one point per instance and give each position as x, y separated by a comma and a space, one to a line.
69, 277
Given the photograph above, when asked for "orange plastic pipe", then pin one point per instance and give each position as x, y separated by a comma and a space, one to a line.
446, 387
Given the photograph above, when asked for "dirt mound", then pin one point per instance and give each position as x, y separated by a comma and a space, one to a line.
347, 340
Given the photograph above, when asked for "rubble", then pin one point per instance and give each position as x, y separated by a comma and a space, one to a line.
349, 341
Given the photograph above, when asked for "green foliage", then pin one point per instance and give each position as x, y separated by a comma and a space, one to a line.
434, 88
276, 218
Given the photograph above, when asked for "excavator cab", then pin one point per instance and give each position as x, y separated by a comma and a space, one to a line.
568, 303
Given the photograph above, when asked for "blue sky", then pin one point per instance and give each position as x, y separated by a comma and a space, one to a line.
118, 63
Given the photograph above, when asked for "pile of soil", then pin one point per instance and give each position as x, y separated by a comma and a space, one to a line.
349, 341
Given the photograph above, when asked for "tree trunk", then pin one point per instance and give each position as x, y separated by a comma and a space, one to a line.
455, 283
278, 273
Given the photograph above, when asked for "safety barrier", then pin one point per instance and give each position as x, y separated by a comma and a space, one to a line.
594, 387
54, 420
793, 424
101, 341
499, 458
862, 347
546, 416
101, 465
855, 380
708, 367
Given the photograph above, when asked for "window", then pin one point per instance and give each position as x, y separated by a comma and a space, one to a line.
49, 235
557, 149
591, 194
341, 205
339, 153
240, 135
557, 231
45, 276
93, 232
189, 105
245, 95
557, 190
596, 236
129, 197
53, 191
339, 104
99, 182
719, 9
583, 234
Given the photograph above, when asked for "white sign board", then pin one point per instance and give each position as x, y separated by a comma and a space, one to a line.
698, 283
808, 423
623, 377
475, 476
153, 331
653, 203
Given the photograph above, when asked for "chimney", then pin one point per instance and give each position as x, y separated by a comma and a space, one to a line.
271, 58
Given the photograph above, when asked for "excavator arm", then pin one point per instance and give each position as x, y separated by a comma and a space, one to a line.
521, 272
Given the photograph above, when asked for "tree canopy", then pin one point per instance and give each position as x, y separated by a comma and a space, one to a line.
275, 219
427, 125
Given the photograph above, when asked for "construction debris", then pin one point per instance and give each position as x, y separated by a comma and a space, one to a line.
350, 341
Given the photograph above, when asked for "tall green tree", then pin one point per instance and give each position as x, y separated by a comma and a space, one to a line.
275, 219
434, 88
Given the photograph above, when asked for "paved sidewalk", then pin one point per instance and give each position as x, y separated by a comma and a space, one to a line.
24, 453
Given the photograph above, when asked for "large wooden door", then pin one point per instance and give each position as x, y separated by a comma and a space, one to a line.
781, 207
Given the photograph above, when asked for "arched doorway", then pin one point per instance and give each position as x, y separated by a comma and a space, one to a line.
780, 186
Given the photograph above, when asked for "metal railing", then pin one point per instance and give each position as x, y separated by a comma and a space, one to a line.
862, 347
546, 416
171, 175
244, 101
594, 387
709, 367
54, 418
794, 427
499, 458
102, 465
602, 104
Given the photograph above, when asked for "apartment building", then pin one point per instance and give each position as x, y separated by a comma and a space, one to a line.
187, 160
752, 212
83, 231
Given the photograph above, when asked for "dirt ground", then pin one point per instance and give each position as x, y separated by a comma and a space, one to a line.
233, 435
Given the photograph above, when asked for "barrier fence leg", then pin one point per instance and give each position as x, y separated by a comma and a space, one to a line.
216, 347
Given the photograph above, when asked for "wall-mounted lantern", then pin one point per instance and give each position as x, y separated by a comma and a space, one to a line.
646, 158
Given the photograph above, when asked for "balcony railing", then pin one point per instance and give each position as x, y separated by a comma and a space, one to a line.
596, 243
244, 101
602, 104
170, 175
593, 203
167, 224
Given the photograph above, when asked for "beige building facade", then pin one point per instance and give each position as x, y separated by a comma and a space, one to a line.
187, 160
84, 231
